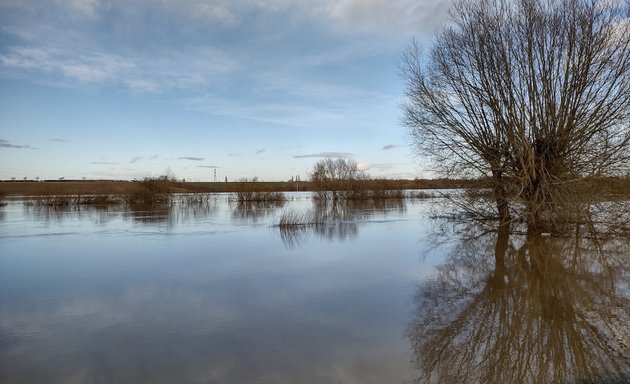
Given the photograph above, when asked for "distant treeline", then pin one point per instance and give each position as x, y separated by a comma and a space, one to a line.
73, 187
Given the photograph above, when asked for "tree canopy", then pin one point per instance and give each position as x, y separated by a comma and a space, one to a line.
533, 94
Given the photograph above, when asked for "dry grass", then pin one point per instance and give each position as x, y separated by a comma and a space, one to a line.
294, 227
291, 218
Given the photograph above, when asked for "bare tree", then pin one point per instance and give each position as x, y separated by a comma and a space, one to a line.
334, 179
533, 94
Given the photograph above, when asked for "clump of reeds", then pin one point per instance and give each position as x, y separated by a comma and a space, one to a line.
259, 196
371, 194
388, 194
193, 199
420, 195
100, 200
68, 201
294, 227
291, 218
53, 201
478, 193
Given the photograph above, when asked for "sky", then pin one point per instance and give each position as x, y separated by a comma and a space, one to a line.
127, 89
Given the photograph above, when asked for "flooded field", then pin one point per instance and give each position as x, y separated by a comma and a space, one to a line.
370, 292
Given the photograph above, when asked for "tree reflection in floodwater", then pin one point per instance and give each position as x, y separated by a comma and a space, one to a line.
336, 220
57, 215
253, 211
180, 208
526, 310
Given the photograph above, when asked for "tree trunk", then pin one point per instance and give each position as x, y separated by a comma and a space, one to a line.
500, 197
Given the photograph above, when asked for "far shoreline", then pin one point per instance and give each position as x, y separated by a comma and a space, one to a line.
612, 186
98, 187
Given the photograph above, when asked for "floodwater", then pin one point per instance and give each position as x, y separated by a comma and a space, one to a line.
375, 292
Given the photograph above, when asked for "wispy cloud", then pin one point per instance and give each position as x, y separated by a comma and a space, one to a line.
390, 146
389, 17
191, 158
135, 159
86, 8
58, 140
208, 166
339, 155
105, 163
6, 144
378, 166
261, 151
139, 72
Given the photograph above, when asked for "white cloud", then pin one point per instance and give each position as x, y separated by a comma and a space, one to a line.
387, 16
25, 57
216, 11
87, 8
139, 73
142, 86
364, 165
84, 67
381, 166
336, 155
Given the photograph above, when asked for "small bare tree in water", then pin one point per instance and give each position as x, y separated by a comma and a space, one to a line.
533, 94
336, 179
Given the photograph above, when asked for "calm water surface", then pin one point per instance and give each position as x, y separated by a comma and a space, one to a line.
378, 293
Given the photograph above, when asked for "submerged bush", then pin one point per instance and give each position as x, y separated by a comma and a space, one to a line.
151, 192
250, 191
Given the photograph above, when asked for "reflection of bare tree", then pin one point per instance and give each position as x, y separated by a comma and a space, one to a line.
253, 211
179, 209
336, 219
156, 214
528, 310
192, 207
48, 214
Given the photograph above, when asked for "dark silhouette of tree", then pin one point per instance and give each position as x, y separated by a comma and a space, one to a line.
532, 94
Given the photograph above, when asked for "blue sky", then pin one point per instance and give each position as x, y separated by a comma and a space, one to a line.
128, 89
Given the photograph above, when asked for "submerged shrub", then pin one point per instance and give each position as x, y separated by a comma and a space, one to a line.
250, 191
151, 192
